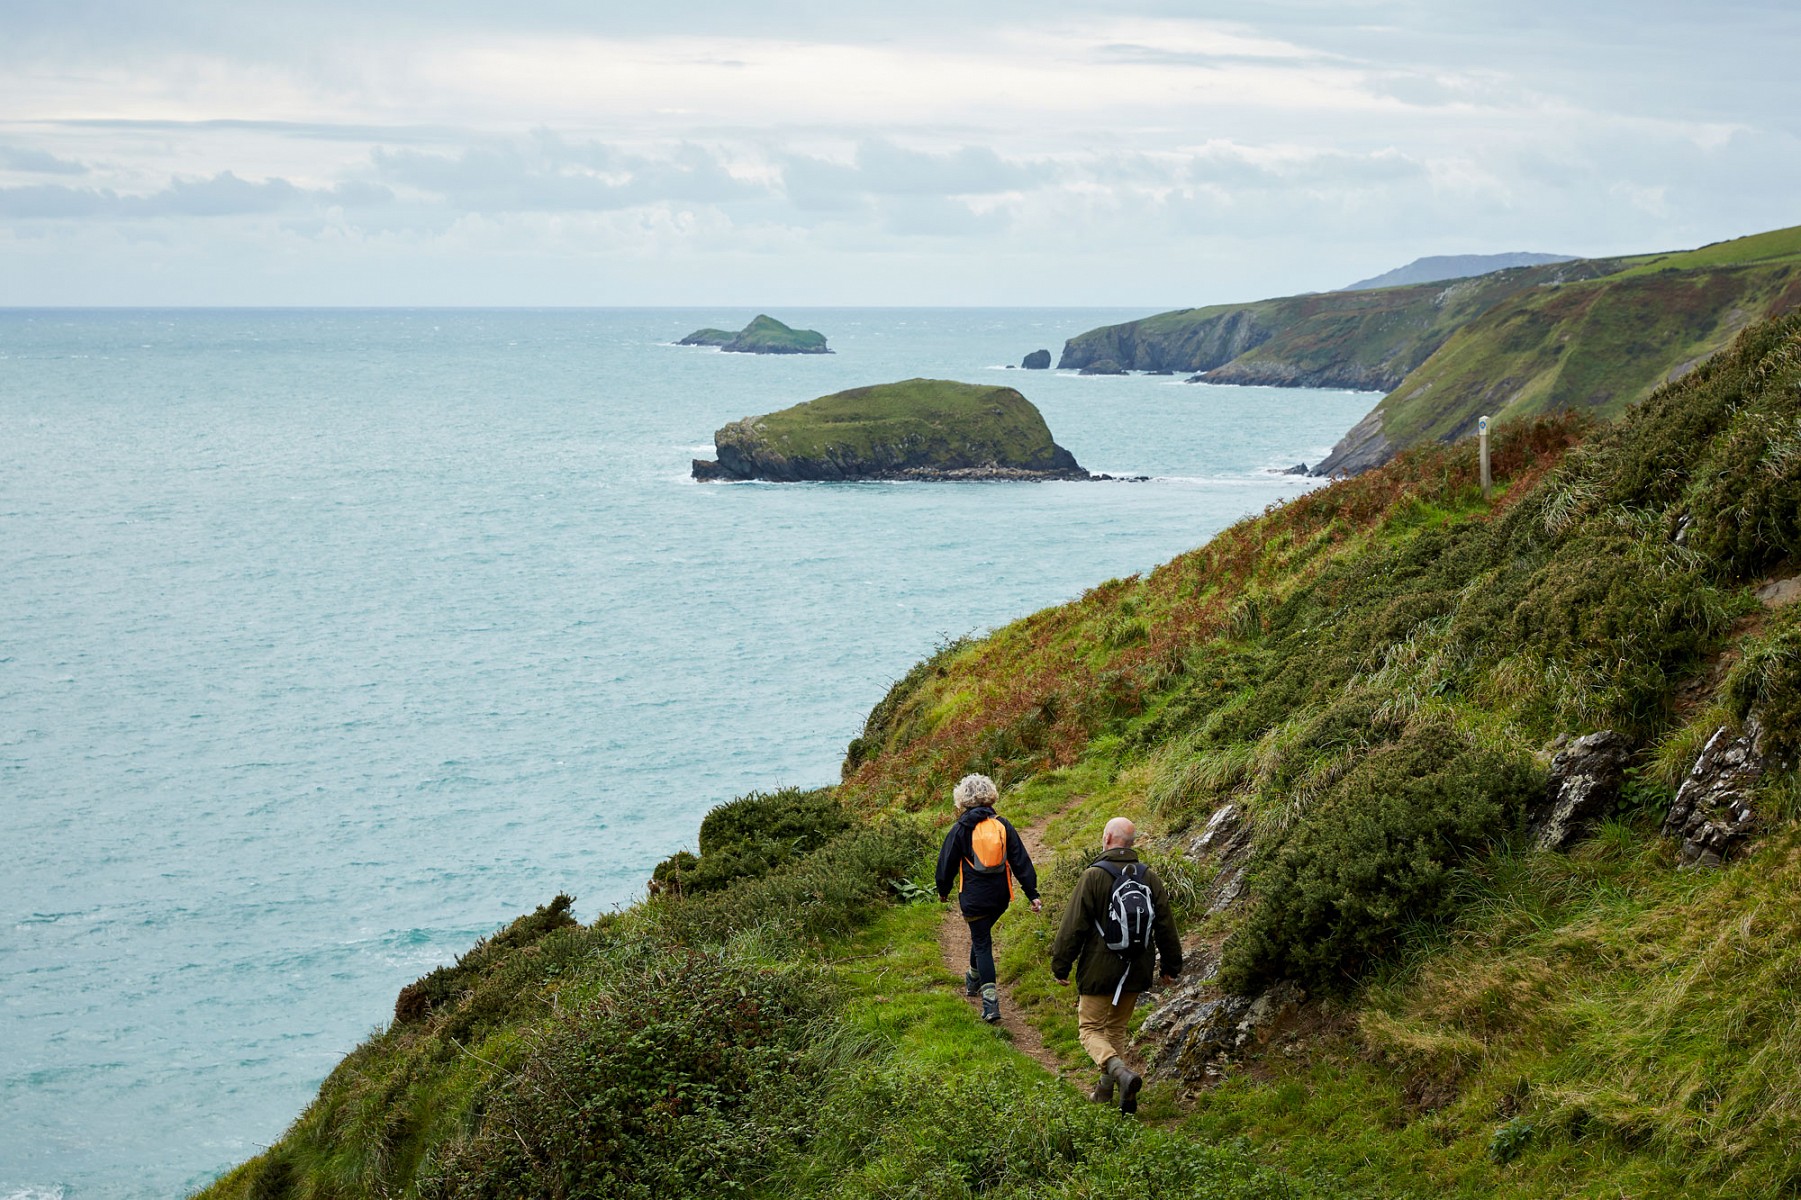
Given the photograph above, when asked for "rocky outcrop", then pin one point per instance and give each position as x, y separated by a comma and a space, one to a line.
1209, 339
1195, 1031
1274, 372
1364, 447
1105, 366
1037, 360
918, 429
1586, 777
1712, 812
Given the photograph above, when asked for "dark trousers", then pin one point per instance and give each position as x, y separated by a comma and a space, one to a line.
981, 944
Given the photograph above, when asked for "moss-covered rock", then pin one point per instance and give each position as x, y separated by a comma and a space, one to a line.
764, 335
922, 429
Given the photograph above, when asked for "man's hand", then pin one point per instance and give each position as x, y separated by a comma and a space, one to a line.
1169, 981
1062, 983
1038, 905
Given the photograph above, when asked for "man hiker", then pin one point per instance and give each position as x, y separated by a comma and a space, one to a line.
982, 856
1116, 925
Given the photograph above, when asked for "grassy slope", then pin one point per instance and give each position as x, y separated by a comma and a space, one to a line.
1593, 1023
1598, 346
964, 421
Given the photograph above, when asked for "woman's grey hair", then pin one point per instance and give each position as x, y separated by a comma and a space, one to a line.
975, 790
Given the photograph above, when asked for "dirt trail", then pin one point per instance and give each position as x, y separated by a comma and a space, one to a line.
953, 943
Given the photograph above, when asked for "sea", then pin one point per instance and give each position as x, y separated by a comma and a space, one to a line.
332, 640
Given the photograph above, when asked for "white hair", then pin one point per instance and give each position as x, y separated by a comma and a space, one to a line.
974, 791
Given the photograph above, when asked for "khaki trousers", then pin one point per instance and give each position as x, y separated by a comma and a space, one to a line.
1101, 1024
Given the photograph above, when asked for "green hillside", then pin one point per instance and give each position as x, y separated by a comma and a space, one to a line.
1590, 335
1367, 685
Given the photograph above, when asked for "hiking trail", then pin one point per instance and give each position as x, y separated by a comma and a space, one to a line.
953, 944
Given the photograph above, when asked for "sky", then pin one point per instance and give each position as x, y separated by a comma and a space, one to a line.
587, 152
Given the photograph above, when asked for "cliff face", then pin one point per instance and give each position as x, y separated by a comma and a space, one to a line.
918, 429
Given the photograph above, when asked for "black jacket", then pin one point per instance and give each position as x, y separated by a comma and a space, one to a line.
1097, 968
979, 895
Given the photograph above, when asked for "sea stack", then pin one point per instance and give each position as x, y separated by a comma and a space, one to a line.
1037, 360
917, 429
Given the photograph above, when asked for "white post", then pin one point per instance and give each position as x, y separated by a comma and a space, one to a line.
1482, 437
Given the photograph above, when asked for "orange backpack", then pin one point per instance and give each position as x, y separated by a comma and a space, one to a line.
988, 850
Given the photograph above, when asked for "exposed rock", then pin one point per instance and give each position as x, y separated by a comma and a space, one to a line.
1781, 592
1586, 776
1712, 812
1037, 360
1194, 1029
917, 429
1365, 446
1105, 366
1225, 841
1297, 469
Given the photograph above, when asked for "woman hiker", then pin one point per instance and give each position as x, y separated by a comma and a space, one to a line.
982, 856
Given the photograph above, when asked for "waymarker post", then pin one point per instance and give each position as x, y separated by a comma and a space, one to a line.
1482, 439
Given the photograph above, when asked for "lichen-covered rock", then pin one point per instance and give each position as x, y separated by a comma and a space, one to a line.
1226, 841
1712, 812
1586, 776
1195, 1029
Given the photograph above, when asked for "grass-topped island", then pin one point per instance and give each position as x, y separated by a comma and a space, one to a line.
918, 429
764, 335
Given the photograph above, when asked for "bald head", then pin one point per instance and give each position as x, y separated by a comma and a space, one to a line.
1118, 835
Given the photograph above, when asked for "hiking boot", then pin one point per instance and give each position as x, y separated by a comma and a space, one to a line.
991, 1004
1103, 1091
1129, 1083
972, 984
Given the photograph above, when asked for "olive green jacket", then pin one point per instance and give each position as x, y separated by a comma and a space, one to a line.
1078, 943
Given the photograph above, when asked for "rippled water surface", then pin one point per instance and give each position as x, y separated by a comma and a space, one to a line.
329, 641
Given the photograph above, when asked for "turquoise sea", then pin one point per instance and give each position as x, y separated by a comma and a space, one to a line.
332, 640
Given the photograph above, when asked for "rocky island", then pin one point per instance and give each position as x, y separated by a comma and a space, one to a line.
918, 429
764, 335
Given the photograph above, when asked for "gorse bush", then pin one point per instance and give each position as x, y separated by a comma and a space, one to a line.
681, 1079
447, 984
753, 835
1375, 854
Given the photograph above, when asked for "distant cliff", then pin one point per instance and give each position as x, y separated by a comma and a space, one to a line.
1439, 268
918, 429
1587, 334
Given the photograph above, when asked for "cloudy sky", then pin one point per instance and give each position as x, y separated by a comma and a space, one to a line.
591, 152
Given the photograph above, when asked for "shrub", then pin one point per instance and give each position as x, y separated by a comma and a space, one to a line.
445, 984
1374, 854
751, 836
683, 1078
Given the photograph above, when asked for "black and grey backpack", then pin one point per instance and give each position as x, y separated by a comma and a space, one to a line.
1125, 925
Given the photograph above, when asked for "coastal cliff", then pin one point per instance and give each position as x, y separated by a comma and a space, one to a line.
917, 429
1478, 812
1590, 335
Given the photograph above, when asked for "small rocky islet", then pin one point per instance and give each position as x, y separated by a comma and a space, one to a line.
764, 335
916, 429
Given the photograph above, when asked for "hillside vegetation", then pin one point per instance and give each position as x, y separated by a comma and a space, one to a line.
1587, 335
1364, 687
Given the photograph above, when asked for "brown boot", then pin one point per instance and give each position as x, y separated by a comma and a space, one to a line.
1103, 1091
1128, 1081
